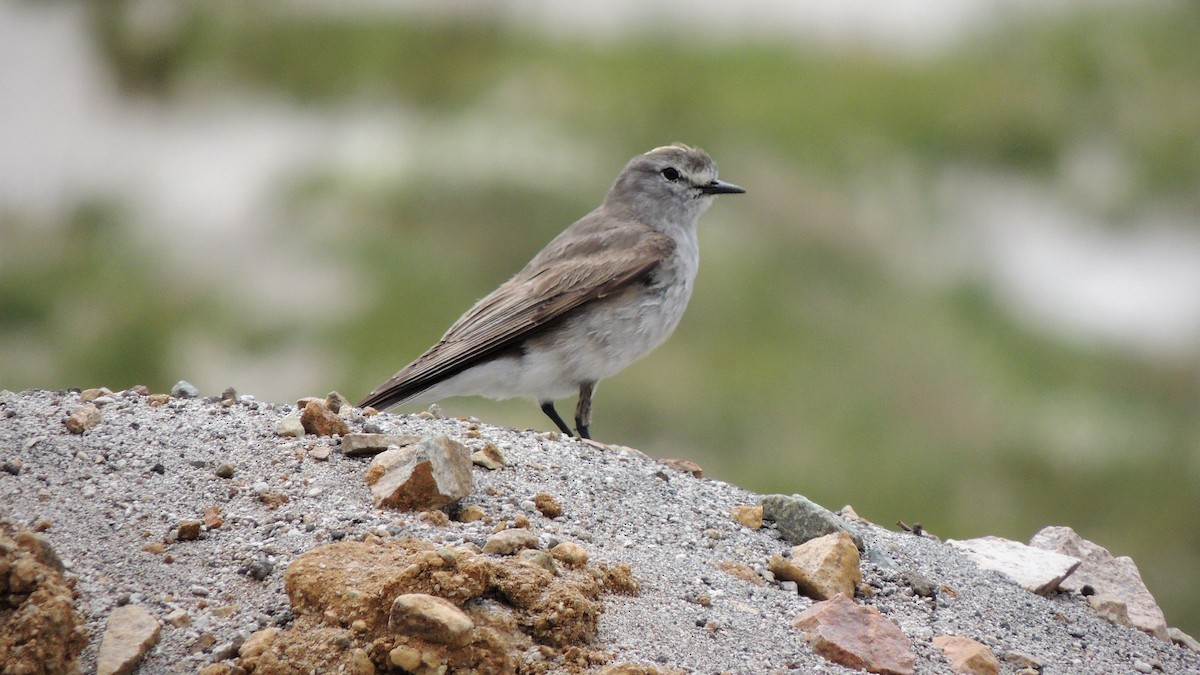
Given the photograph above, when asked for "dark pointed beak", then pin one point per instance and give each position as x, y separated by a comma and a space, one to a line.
719, 187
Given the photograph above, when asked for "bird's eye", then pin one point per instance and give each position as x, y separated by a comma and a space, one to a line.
670, 173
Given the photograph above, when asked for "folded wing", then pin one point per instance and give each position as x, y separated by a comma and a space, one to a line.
592, 263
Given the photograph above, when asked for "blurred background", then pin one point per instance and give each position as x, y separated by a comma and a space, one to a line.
963, 288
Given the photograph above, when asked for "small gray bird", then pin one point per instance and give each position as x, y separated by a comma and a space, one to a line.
602, 294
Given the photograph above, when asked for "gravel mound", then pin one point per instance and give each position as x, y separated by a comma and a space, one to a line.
114, 498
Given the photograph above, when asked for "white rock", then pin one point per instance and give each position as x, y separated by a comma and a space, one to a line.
1035, 569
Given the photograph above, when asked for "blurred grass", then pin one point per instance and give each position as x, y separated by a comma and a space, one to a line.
806, 363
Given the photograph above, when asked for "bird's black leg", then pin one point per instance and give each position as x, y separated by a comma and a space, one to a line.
583, 411
548, 408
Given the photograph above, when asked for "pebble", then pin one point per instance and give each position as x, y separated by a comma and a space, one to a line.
201, 591
185, 389
225, 470
1142, 666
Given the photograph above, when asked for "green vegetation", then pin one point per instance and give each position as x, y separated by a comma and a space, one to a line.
808, 362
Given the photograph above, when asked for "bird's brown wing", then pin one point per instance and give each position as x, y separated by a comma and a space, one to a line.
581, 269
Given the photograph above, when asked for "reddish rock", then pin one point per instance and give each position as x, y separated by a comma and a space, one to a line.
321, 421
212, 518
856, 637
967, 656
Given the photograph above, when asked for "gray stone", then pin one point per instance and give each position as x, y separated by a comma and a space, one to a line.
185, 389
799, 519
365, 445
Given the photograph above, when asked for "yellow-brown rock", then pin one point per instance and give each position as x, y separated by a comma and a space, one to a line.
967, 656
40, 631
461, 610
750, 516
821, 567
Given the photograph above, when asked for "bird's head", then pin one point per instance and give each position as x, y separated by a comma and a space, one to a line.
671, 184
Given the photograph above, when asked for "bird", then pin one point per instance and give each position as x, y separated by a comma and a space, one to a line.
602, 294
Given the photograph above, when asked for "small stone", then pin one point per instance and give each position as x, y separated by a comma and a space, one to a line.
179, 618
683, 466
321, 421
434, 517
260, 569
154, 547
799, 519
188, 530
856, 637
273, 500
967, 656
158, 400
204, 642
547, 504
212, 518
471, 514
1142, 667
1035, 569
570, 554
507, 542
184, 389
289, 426
488, 457
337, 403
750, 516
1023, 660
199, 591
130, 633
360, 662
1183, 639
538, 558
366, 445
83, 418
430, 618
12, 467
320, 453
258, 643
226, 470
405, 658
89, 395
741, 571
429, 475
